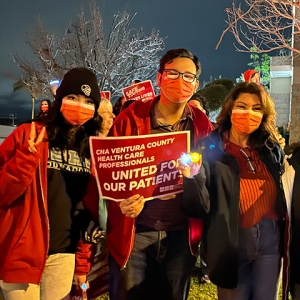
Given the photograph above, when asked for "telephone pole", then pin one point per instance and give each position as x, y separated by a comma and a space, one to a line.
13, 117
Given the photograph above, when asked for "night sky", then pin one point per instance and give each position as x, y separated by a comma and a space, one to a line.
192, 24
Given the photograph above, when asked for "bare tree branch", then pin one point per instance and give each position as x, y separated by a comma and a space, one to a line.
265, 25
117, 58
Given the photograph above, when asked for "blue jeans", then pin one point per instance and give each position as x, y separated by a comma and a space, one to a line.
259, 263
159, 268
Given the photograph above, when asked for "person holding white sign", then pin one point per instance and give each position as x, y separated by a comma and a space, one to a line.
153, 245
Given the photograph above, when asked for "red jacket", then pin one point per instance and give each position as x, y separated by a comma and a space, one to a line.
24, 233
135, 120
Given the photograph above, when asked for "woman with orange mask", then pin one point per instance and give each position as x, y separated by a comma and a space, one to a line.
45, 106
239, 194
45, 172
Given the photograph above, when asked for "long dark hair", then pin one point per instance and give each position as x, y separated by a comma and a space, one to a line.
117, 106
42, 113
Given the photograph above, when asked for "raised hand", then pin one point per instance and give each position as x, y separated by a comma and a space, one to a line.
33, 139
190, 167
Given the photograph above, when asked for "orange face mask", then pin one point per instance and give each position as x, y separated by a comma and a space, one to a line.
246, 121
77, 113
44, 107
177, 91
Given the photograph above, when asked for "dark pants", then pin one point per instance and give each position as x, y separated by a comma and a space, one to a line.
159, 268
295, 291
259, 263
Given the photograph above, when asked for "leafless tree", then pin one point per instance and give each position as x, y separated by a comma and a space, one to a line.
265, 25
268, 25
117, 58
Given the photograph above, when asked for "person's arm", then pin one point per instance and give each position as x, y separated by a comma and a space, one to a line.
83, 260
88, 207
19, 160
131, 207
195, 200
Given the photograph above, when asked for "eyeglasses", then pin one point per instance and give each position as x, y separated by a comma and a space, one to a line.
246, 153
173, 74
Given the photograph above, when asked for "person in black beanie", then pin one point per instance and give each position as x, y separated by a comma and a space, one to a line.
73, 120
45, 173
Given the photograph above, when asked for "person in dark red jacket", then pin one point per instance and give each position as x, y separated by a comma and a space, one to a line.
153, 245
44, 174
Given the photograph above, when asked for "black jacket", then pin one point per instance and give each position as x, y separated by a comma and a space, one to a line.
220, 210
295, 219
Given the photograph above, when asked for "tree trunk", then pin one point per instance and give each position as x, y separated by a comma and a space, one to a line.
295, 103
32, 109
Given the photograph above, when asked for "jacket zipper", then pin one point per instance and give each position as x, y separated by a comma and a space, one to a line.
285, 292
132, 233
131, 246
286, 254
46, 214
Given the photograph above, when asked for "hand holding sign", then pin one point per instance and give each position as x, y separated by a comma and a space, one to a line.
144, 165
132, 206
190, 164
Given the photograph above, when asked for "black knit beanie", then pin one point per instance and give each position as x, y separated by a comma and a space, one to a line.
79, 81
